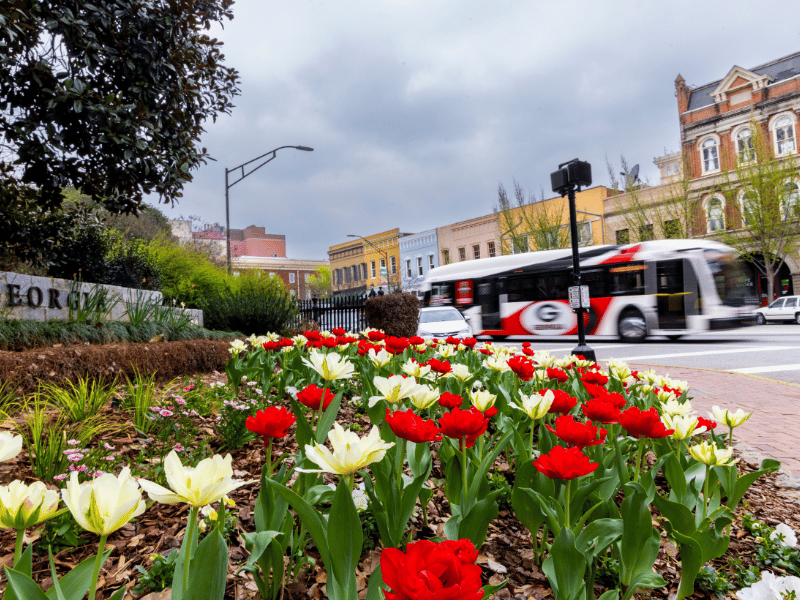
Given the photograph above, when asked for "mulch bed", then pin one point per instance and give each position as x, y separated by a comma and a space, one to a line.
506, 554
168, 360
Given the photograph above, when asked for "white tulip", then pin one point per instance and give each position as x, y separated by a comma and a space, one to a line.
104, 504
350, 453
206, 483
10, 445
23, 506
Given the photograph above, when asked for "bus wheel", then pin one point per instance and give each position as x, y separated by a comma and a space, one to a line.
674, 337
632, 326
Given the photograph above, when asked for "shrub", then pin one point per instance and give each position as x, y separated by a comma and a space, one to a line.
132, 265
186, 273
395, 314
250, 304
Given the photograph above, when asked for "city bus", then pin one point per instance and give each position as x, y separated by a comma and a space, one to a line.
661, 287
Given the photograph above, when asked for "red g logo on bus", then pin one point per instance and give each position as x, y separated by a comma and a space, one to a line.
463, 292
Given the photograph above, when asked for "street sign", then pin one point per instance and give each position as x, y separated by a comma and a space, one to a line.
579, 296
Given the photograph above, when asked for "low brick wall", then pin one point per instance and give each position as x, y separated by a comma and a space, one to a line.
45, 298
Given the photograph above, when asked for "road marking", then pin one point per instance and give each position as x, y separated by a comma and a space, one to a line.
609, 346
770, 369
709, 352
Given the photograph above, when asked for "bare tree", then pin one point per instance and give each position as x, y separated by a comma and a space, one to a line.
667, 210
528, 223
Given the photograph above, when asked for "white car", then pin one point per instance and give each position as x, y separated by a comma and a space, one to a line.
442, 322
786, 308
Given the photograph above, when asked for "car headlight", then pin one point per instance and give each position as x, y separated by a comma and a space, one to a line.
465, 332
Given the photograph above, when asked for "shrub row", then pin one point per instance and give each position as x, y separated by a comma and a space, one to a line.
19, 334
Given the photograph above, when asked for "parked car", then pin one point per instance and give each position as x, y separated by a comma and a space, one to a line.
442, 322
786, 308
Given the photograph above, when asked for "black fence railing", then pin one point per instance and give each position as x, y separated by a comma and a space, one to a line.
346, 311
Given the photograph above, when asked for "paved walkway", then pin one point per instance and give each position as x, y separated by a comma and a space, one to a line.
774, 428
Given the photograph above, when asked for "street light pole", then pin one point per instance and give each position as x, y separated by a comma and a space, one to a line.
383, 252
570, 175
228, 186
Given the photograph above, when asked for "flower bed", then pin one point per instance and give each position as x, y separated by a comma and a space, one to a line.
559, 463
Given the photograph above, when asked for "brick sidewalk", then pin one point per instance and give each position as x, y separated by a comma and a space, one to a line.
774, 428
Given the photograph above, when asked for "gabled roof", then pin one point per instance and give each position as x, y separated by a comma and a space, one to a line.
768, 74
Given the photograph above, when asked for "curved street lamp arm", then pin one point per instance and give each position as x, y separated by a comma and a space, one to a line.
253, 170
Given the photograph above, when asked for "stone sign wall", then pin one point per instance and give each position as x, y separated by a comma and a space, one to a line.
44, 298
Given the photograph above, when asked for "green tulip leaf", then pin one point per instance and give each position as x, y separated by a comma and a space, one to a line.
565, 567
327, 418
310, 518
257, 542
345, 537
77, 582
23, 586
375, 585
209, 568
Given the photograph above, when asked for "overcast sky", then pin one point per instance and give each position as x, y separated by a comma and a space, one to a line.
417, 109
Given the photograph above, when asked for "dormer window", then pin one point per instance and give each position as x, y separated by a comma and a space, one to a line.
710, 155
744, 145
784, 136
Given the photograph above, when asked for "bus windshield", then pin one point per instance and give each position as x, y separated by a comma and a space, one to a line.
733, 284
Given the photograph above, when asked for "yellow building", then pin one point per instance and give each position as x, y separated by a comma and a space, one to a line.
544, 224
366, 263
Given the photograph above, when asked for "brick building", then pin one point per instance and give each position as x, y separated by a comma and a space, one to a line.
250, 241
295, 273
365, 264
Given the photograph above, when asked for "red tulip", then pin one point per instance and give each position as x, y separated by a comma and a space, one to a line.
311, 396
338, 331
522, 367
595, 390
469, 342
286, 343
614, 399
439, 366
707, 423
557, 374
644, 423
312, 336
576, 433
416, 340
448, 400
563, 402
375, 336
528, 352
429, 571
463, 549
464, 425
453, 341
272, 422
564, 463
330, 342
396, 345
412, 427
600, 411
594, 377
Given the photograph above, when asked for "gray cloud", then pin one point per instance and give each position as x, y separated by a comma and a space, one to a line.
416, 110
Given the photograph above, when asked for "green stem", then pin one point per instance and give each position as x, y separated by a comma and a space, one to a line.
18, 545
269, 459
730, 439
98, 562
531, 445
321, 404
463, 472
639, 453
567, 498
705, 492
191, 528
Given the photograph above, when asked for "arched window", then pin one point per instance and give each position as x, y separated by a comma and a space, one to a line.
784, 135
744, 145
710, 155
791, 200
749, 206
715, 214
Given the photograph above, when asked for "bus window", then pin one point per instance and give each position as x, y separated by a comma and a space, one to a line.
521, 289
597, 280
626, 280
553, 286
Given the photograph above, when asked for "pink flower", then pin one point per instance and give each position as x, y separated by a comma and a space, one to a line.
73, 442
155, 408
178, 448
60, 477
165, 413
180, 401
108, 446
75, 457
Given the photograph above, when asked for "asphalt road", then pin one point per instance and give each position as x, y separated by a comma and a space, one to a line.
768, 351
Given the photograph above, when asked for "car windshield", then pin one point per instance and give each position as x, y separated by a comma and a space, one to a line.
439, 316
